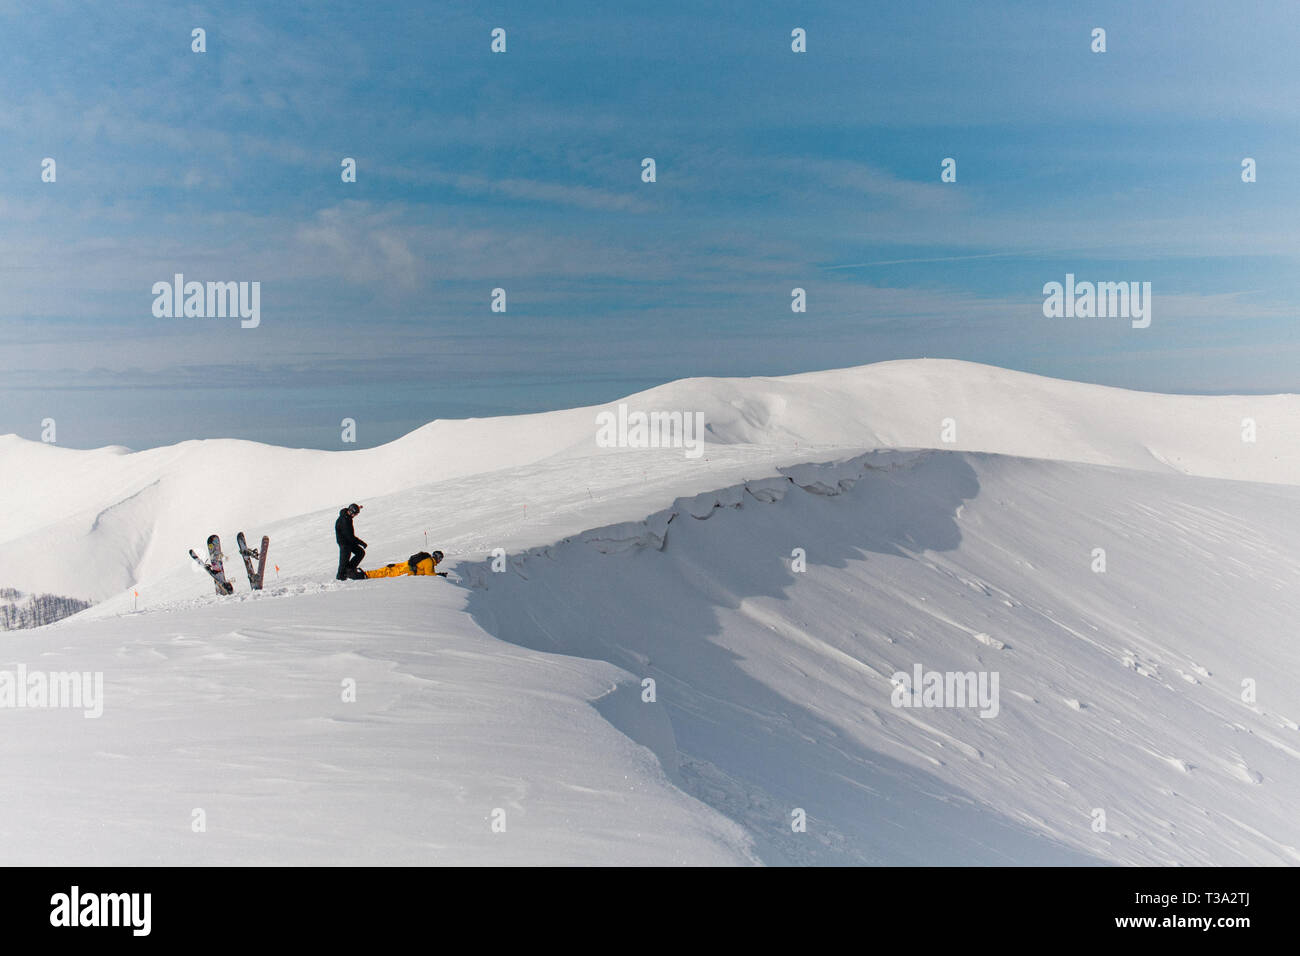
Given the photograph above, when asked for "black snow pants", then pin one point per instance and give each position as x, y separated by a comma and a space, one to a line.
350, 556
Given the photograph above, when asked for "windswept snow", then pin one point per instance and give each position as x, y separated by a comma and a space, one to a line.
131, 513
1119, 691
521, 693
237, 710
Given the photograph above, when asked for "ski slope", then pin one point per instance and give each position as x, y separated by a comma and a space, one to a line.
517, 695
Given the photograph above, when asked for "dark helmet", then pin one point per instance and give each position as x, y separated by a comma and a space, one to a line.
353, 508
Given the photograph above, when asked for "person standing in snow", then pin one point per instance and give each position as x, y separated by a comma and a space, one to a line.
351, 548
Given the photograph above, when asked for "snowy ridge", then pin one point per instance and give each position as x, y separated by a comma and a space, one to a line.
1120, 692
169, 499
818, 478
1122, 689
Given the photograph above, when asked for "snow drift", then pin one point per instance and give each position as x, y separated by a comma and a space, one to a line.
1148, 710
1120, 691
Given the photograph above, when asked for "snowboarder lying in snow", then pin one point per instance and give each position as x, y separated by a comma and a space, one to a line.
351, 548
420, 564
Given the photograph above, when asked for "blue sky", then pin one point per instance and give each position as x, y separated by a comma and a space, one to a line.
522, 170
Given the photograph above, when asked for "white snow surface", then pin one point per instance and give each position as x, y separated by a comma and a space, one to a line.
518, 696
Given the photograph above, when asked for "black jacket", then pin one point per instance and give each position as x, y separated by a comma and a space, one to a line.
343, 532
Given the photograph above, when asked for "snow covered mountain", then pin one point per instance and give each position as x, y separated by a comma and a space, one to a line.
1124, 562
128, 516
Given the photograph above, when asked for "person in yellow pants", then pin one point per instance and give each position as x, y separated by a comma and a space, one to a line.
420, 564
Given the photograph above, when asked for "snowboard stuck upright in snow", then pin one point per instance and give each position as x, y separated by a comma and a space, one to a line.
255, 578
216, 567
